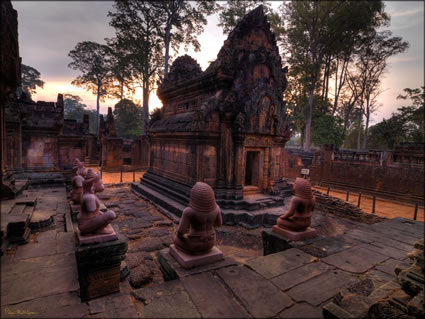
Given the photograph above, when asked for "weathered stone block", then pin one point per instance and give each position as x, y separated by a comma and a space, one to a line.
99, 267
273, 243
190, 261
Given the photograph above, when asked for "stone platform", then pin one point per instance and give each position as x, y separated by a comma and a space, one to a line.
96, 239
189, 261
251, 212
293, 235
297, 282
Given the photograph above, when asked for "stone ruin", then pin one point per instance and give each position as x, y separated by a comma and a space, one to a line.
225, 126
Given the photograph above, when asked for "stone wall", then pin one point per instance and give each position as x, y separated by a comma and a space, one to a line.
112, 152
397, 174
10, 68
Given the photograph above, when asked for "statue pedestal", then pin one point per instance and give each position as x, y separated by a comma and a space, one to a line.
295, 236
96, 239
190, 261
99, 267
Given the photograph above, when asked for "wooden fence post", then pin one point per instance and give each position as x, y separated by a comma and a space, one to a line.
373, 204
415, 215
134, 175
327, 193
360, 197
348, 196
121, 175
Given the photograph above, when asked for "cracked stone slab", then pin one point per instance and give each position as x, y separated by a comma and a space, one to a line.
328, 246
299, 275
358, 259
389, 265
246, 284
65, 305
177, 304
45, 246
301, 311
387, 250
43, 281
211, 297
322, 287
276, 264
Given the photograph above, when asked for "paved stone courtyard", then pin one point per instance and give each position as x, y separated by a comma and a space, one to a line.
40, 279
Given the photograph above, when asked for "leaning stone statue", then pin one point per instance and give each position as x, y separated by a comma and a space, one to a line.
91, 221
196, 231
298, 216
77, 185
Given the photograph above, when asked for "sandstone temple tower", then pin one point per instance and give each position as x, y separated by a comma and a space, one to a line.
225, 126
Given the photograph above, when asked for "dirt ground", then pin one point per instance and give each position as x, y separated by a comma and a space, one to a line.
115, 177
385, 208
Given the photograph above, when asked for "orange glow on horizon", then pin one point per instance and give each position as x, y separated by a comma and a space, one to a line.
51, 90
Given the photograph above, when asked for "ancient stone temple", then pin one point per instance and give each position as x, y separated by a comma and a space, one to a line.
225, 126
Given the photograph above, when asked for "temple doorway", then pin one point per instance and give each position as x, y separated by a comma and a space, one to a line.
252, 168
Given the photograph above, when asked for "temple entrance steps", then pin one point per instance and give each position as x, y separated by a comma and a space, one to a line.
250, 190
171, 198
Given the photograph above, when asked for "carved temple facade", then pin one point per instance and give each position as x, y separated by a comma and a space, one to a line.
226, 126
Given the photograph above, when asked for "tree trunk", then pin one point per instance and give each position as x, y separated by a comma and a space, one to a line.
308, 122
145, 108
359, 132
122, 91
98, 107
367, 123
167, 49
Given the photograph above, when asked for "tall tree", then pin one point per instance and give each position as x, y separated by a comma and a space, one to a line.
93, 60
316, 33
30, 80
121, 75
405, 125
75, 109
136, 32
128, 119
180, 22
370, 64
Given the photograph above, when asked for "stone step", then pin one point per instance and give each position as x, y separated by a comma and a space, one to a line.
173, 208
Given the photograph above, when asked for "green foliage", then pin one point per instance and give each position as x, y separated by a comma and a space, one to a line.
30, 80
406, 125
327, 129
234, 10
74, 109
136, 29
180, 22
93, 60
128, 119
121, 72
317, 32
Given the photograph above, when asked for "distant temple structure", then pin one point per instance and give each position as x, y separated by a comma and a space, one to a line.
226, 126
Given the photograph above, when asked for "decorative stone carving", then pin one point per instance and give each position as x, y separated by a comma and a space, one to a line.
91, 221
240, 122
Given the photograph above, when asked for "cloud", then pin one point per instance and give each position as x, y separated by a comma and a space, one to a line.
408, 12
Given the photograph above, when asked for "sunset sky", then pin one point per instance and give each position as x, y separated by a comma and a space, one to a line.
48, 30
